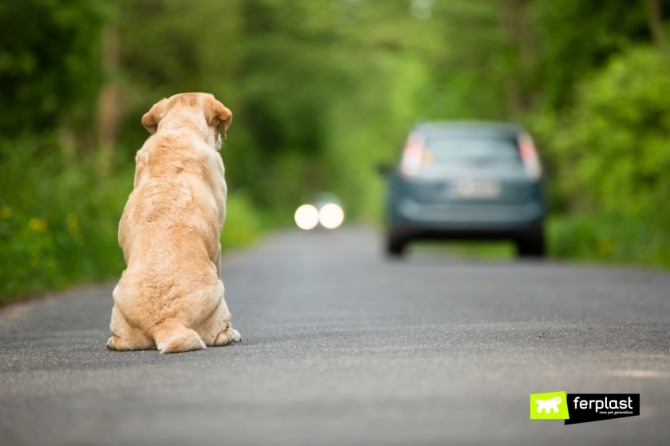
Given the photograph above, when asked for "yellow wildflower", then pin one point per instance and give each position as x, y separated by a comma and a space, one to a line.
37, 224
73, 228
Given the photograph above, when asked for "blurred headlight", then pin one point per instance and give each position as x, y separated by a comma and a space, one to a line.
331, 216
306, 217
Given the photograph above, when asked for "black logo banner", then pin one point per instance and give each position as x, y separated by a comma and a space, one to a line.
587, 407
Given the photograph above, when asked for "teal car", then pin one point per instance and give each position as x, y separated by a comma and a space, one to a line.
465, 181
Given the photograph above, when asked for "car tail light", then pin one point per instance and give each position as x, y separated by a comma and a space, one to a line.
414, 155
529, 157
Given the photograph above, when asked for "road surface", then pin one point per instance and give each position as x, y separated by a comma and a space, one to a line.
342, 347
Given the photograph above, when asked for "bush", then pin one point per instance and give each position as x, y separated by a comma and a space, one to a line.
58, 222
608, 159
614, 148
243, 223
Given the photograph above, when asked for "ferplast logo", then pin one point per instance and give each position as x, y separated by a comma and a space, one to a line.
583, 407
586, 407
549, 406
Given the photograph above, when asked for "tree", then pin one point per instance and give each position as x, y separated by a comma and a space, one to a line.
49, 63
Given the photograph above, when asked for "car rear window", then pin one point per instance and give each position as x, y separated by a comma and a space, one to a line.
473, 150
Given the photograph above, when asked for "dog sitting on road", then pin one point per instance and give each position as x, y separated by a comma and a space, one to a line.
170, 296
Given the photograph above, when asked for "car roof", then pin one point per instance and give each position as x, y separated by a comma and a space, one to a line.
468, 128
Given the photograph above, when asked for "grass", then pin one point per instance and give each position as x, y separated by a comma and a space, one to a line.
611, 239
469, 250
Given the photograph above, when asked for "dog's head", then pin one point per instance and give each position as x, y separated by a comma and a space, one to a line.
199, 110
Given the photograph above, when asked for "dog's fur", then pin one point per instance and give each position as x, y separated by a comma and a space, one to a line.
170, 296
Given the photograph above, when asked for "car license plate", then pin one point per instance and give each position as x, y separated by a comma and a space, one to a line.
478, 189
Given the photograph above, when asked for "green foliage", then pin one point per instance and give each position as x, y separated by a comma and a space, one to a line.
613, 149
578, 37
49, 62
611, 155
58, 223
243, 223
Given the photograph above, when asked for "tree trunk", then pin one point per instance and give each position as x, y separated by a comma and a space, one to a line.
519, 90
109, 99
655, 21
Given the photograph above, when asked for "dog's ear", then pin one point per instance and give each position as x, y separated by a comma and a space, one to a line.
151, 118
218, 114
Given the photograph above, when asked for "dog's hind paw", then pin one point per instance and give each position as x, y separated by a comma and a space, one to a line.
111, 344
227, 336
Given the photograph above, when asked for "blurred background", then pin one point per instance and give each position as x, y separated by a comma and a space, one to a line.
322, 91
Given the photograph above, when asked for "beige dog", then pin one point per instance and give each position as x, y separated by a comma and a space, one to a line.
170, 296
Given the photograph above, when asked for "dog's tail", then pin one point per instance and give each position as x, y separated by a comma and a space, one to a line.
171, 336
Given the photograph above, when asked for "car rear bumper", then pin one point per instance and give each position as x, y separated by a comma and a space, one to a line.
466, 220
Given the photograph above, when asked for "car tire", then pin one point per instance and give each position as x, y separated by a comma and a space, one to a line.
396, 246
532, 245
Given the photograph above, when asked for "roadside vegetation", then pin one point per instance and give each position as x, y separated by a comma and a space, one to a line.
321, 93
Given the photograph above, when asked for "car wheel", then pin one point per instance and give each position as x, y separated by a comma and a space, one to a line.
396, 246
532, 245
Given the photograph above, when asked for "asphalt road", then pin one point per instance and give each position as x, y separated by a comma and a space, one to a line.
343, 347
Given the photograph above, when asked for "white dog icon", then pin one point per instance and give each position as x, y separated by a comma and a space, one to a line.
548, 406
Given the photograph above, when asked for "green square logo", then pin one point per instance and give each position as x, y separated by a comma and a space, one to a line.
549, 406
